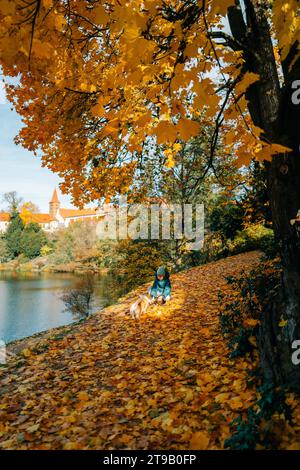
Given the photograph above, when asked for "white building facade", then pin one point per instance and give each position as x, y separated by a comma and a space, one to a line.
58, 217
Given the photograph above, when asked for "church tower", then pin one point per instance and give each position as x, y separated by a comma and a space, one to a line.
54, 204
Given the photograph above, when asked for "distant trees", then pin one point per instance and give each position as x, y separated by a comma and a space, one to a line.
12, 201
27, 211
32, 240
22, 239
13, 235
226, 217
3, 250
76, 242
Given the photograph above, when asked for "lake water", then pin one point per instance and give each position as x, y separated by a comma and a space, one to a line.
31, 303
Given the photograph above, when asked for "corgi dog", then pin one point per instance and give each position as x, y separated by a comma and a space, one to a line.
140, 306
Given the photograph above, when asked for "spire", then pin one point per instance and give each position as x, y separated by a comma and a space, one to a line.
55, 197
54, 205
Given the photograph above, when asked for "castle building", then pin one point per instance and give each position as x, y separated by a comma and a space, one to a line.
4, 221
58, 217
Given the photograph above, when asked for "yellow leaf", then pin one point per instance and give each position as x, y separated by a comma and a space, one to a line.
266, 152
98, 110
205, 378
187, 128
170, 163
144, 119
188, 396
47, 3
177, 147
60, 22
251, 322
199, 441
41, 49
26, 352
221, 6
71, 445
236, 403
131, 32
100, 15
165, 132
71, 419
222, 397
83, 396
7, 7
33, 428
282, 323
252, 340
248, 79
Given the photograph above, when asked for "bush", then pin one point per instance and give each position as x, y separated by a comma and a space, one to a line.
214, 248
239, 319
46, 250
240, 313
137, 261
227, 218
254, 237
78, 299
4, 254
259, 425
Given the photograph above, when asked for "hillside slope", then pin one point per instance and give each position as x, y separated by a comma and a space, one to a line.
163, 382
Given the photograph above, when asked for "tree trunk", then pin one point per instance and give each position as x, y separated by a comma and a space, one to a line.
271, 108
284, 193
276, 341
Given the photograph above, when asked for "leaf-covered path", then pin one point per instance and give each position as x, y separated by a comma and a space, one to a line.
164, 382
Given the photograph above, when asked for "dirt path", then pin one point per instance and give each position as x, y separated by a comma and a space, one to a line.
164, 382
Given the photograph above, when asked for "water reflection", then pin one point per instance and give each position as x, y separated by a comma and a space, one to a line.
30, 302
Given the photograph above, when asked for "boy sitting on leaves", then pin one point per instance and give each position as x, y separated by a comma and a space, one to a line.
161, 288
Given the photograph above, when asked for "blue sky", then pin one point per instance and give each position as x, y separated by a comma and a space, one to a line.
20, 170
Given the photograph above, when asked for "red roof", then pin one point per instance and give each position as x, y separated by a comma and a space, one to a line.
66, 213
41, 218
4, 217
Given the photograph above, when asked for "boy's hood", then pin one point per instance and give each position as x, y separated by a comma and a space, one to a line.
162, 271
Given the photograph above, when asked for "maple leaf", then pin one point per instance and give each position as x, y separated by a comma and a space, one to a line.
83, 396
199, 441
187, 128
26, 352
221, 6
165, 131
100, 16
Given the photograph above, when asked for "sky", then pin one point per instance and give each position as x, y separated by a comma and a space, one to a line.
21, 170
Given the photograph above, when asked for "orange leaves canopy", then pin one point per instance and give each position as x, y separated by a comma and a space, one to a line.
118, 73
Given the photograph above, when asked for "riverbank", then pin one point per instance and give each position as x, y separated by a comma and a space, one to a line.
43, 265
32, 302
37, 341
163, 382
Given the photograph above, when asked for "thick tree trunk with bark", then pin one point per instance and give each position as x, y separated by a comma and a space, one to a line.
275, 341
271, 108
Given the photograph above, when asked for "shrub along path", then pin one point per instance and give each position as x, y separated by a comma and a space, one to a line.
163, 382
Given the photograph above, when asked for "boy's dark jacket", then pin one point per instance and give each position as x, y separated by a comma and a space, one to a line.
162, 287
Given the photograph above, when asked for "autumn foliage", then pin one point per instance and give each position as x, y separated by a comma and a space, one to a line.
165, 382
124, 73
113, 383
